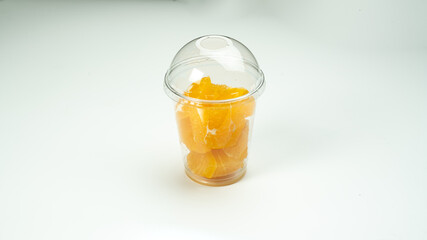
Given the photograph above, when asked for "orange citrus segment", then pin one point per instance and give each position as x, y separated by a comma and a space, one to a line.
190, 132
202, 164
239, 112
226, 164
240, 148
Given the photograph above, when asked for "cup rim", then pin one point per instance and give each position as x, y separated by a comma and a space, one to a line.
175, 95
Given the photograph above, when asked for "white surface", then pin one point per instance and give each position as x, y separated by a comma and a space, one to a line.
89, 147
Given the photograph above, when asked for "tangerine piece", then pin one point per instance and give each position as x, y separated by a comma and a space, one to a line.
226, 164
240, 149
235, 92
190, 133
232, 158
215, 121
239, 112
202, 164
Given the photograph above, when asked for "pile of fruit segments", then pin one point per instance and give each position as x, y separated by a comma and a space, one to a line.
216, 134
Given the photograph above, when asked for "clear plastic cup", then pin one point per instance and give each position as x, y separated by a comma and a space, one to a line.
214, 134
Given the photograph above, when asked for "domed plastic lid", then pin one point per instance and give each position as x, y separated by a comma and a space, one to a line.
214, 46
223, 59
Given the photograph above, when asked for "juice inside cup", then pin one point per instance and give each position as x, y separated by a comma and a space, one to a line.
215, 81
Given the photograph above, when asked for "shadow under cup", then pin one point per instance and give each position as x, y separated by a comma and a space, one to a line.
215, 134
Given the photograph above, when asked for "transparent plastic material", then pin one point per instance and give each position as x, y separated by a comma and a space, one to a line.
214, 132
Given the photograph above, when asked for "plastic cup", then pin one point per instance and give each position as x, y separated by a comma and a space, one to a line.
214, 134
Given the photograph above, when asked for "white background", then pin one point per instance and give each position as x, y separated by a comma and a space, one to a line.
89, 147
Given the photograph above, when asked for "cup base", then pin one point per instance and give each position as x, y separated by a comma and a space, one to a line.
217, 182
